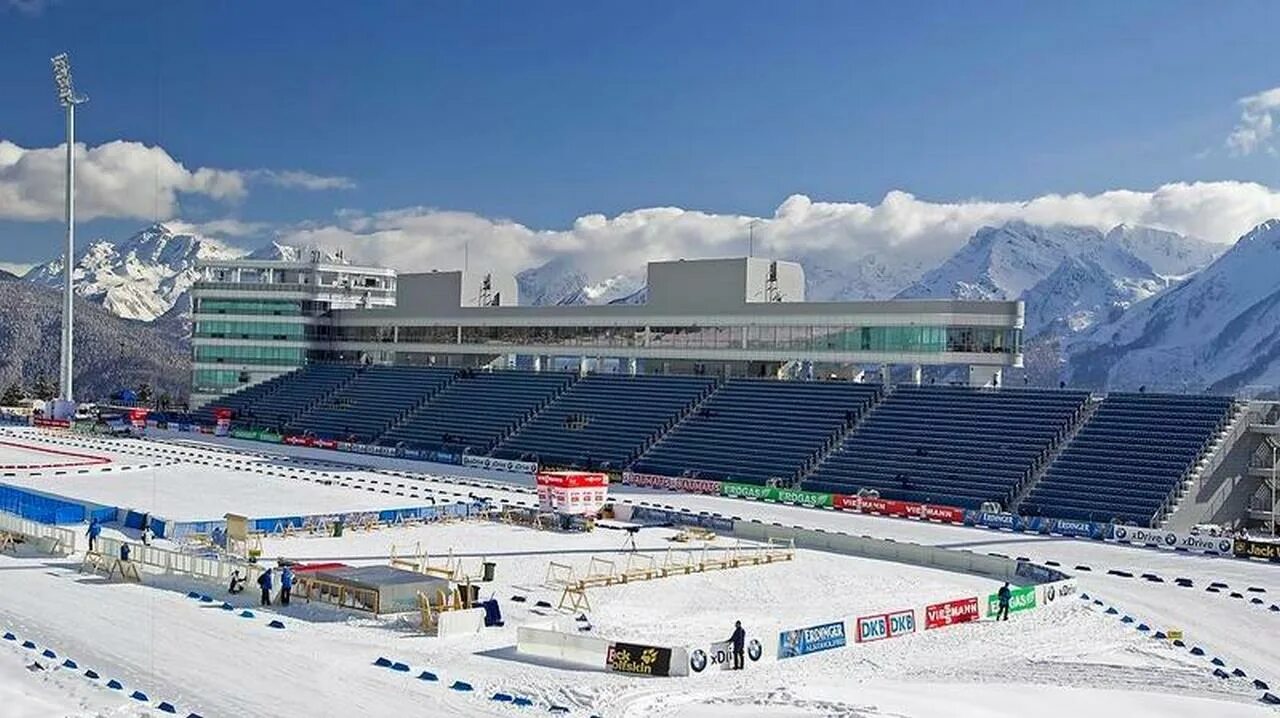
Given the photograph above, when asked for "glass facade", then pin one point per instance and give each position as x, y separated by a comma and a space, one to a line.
268, 356
233, 329
267, 307
217, 381
782, 338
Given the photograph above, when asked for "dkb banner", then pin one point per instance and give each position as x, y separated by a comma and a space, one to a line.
635, 658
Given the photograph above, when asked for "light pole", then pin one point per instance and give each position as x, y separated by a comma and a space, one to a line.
68, 98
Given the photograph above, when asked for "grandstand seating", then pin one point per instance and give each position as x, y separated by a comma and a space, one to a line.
294, 393
604, 421
477, 410
952, 445
753, 430
242, 400
367, 406
1130, 459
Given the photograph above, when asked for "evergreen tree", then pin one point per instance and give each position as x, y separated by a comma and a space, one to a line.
44, 389
13, 395
144, 393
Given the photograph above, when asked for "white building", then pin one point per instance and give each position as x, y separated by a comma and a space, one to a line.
730, 317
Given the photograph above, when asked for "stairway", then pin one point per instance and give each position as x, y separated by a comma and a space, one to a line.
1089, 408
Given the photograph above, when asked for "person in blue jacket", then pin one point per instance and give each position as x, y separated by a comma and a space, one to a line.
286, 585
95, 530
1002, 614
264, 582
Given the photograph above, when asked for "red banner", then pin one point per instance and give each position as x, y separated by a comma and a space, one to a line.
325, 443
52, 423
949, 514
298, 440
950, 613
672, 483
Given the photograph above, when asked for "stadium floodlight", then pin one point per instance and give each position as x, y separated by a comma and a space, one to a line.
68, 98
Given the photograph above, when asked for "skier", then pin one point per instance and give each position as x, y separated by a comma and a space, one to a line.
1003, 594
286, 585
95, 530
738, 639
264, 582
146, 529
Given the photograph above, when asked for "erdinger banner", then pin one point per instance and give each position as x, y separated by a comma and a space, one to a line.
1247, 548
802, 641
949, 613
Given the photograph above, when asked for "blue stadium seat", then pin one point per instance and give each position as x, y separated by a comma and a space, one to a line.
604, 421
951, 445
371, 402
1129, 461
477, 410
755, 430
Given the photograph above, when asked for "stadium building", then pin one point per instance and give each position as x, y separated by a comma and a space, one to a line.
255, 319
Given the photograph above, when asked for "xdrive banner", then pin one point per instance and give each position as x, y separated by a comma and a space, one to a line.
811, 640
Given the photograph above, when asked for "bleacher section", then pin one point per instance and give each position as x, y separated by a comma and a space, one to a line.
295, 393
751, 431
951, 445
1130, 459
605, 420
242, 400
376, 398
477, 410
947, 445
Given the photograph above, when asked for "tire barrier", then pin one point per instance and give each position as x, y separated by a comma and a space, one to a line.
1220, 666
92, 675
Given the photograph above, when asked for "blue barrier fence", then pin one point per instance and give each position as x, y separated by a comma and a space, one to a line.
38, 507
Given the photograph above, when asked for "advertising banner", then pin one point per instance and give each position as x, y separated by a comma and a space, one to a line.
803, 498
948, 514
719, 655
949, 613
293, 440
1249, 548
1049, 592
802, 641
1021, 598
646, 514
994, 521
1150, 537
491, 464
672, 483
748, 491
639, 659
244, 434
1080, 529
885, 625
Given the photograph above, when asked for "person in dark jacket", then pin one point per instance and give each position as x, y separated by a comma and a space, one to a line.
739, 640
264, 582
237, 582
1003, 595
95, 530
286, 585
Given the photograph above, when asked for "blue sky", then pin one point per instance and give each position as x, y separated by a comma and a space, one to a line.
541, 112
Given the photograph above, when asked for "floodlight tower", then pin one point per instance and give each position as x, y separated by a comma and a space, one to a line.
68, 98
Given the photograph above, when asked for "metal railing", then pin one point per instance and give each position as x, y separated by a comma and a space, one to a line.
59, 540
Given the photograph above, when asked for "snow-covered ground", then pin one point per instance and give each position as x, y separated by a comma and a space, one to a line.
1056, 662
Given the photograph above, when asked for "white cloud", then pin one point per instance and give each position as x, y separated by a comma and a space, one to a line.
220, 228
1257, 123
297, 179
901, 227
26, 7
123, 179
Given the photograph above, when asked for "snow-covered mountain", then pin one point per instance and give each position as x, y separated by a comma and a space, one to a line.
1069, 277
561, 281
865, 278
139, 278
1217, 331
